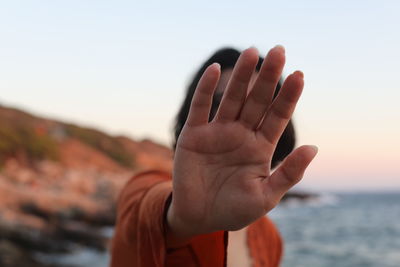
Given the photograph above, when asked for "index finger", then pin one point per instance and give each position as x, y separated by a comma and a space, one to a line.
202, 99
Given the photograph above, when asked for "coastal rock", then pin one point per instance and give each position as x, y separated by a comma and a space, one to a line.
59, 184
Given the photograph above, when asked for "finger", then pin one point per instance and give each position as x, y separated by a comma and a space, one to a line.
264, 87
281, 110
236, 90
202, 99
288, 174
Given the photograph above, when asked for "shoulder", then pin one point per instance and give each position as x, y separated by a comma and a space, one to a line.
266, 228
150, 176
264, 236
142, 181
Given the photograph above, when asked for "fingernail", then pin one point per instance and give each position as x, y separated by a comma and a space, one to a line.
280, 47
216, 65
298, 72
252, 48
315, 148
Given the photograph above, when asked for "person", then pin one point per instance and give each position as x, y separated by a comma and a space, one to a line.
231, 131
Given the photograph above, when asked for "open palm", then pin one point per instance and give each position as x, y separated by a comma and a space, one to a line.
222, 178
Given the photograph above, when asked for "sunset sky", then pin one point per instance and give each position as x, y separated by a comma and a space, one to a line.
122, 66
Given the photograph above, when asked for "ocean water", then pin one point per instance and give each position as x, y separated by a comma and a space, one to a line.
346, 230
80, 257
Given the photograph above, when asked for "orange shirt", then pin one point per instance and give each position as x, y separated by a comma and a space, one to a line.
139, 239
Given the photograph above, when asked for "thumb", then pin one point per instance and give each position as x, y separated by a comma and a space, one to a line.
288, 174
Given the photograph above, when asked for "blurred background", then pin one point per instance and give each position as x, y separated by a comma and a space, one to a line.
89, 91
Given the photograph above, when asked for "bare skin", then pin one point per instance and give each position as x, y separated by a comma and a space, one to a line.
222, 178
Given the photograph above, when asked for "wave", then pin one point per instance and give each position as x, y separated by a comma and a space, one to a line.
313, 200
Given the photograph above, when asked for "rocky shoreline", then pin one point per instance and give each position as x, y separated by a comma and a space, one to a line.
48, 220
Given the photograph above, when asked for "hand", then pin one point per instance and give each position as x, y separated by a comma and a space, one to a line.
222, 178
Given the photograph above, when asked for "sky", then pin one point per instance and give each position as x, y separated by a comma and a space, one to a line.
123, 66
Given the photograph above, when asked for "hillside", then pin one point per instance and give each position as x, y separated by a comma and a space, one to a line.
59, 183
29, 139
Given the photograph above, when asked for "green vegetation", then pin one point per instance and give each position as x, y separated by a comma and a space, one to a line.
27, 137
18, 140
98, 140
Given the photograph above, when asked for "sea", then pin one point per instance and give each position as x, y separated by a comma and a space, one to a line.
331, 230
341, 230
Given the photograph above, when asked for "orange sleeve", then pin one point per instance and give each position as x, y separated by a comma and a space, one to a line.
139, 238
265, 243
139, 234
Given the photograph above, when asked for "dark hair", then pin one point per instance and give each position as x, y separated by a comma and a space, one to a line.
227, 58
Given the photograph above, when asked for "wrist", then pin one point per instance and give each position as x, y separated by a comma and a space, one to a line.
177, 232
